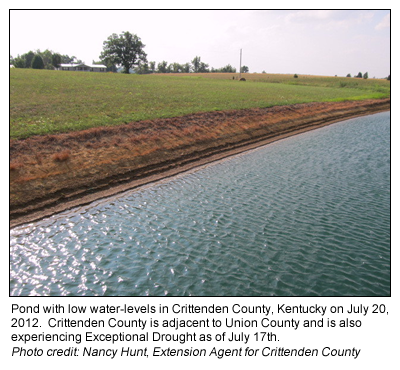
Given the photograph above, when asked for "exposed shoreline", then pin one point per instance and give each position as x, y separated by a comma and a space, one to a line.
81, 185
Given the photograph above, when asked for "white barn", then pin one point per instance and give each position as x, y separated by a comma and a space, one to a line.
83, 67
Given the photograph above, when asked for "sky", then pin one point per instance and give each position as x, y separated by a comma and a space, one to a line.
315, 42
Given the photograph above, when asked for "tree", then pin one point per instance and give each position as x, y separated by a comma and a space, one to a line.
186, 68
365, 75
142, 69
245, 69
125, 49
152, 67
28, 58
203, 68
198, 66
388, 78
175, 68
359, 75
162, 67
46, 57
50, 59
37, 62
296, 76
348, 75
227, 69
56, 60
69, 60
19, 62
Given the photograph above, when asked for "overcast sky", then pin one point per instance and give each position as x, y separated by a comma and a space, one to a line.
319, 42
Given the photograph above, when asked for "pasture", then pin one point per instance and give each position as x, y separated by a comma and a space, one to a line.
47, 102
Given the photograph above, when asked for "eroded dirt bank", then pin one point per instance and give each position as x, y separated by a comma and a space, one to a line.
49, 174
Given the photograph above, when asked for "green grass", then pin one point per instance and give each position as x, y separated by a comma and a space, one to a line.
47, 102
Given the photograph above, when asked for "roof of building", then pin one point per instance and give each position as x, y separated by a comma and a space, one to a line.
83, 65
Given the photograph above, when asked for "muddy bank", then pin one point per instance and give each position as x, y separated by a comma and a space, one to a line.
49, 174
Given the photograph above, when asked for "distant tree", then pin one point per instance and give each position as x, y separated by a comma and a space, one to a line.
198, 66
111, 67
203, 68
143, 69
71, 60
175, 68
152, 67
186, 68
245, 69
296, 76
359, 75
66, 59
37, 62
125, 49
348, 75
263, 72
19, 62
47, 58
388, 78
28, 58
56, 60
227, 69
365, 75
162, 67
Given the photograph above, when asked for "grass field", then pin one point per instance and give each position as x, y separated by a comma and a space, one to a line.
46, 102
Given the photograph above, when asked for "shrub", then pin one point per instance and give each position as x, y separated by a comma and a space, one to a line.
295, 76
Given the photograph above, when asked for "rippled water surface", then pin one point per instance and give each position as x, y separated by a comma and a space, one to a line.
308, 215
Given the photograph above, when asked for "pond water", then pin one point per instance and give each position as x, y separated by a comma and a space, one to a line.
304, 216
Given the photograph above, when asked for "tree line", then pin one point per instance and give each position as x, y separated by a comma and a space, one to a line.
365, 76
50, 60
127, 50
194, 66
123, 52
359, 75
42, 60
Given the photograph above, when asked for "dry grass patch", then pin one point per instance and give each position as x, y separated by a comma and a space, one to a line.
14, 166
61, 156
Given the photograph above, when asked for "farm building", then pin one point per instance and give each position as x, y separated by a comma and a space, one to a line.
83, 67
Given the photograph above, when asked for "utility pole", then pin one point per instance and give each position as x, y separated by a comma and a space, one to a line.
240, 68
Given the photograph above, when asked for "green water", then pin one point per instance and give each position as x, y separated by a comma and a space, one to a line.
305, 216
